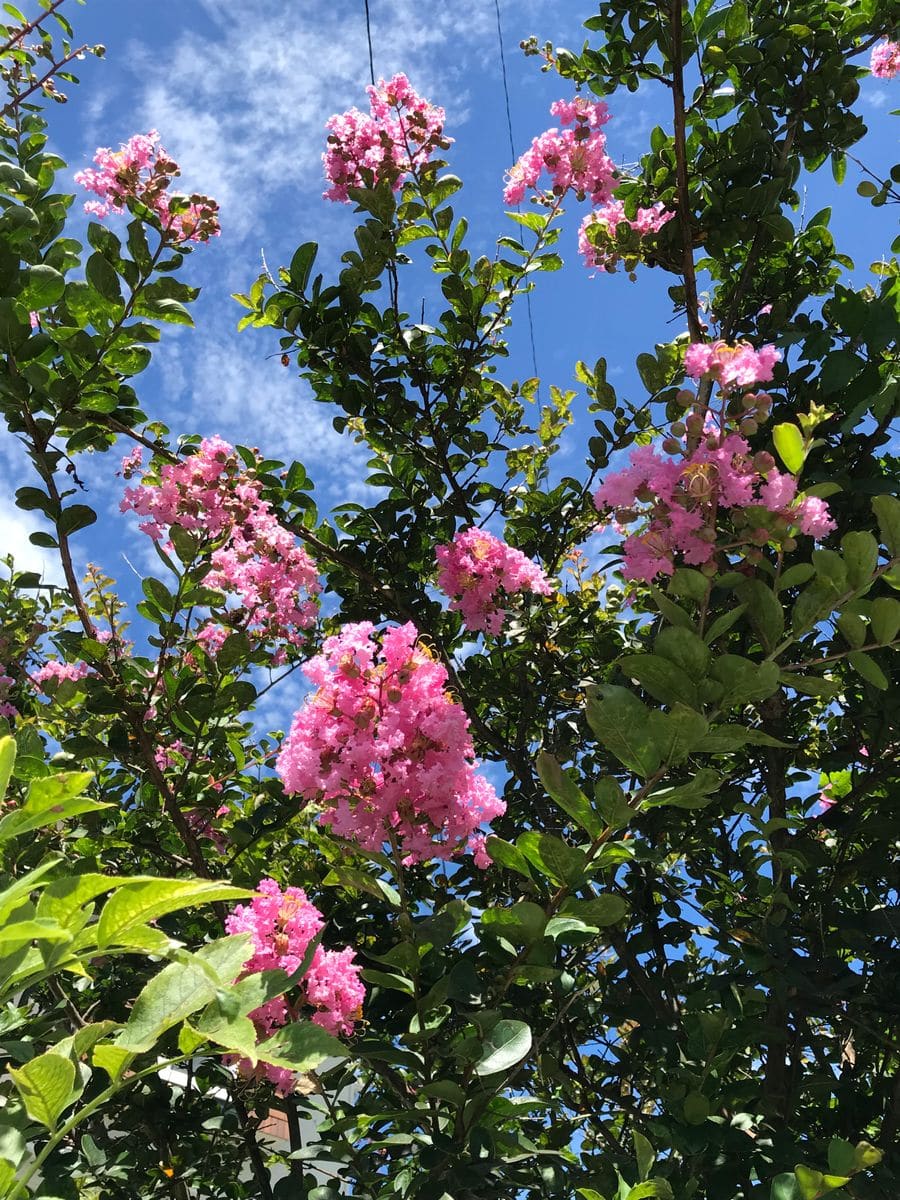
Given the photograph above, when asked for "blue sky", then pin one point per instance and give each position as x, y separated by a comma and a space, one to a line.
240, 93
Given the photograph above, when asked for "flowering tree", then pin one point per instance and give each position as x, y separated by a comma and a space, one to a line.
535, 898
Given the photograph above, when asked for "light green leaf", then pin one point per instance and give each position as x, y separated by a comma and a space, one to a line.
50, 799
137, 903
46, 1085
112, 1059
789, 443
504, 1047
182, 988
885, 618
300, 1046
7, 762
644, 1153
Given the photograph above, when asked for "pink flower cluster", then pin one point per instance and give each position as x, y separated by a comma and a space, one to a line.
398, 135
730, 366
252, 556
281, 926
475, 568
885, 61
677, 502
6, 682
600, 237
141, 170
575, 159
57, 672
385, 748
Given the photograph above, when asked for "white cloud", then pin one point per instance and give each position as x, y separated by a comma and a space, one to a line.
15, 528
243, 110
217, 384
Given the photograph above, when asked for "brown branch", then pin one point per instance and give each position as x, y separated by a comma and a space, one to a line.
57, 66
31, 26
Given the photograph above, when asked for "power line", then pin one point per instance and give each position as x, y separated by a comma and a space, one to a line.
512, 151
369, 39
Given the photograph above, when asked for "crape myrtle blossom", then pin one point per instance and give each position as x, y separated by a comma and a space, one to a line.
7, 710
252, 556
710, 472
386, 750
55, 673
477, 569
281, 925
141, 170
730, 366
398, 135
885, 60
600, 234
574, 158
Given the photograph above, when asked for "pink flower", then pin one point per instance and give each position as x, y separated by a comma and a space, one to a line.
575, 159
7, 710
56, 672
730, 366
252, 556
599, 232
679, 501
398, 136
813, 517
281, 926
476, 569
141, 170
34, 320
385, 749
885, 61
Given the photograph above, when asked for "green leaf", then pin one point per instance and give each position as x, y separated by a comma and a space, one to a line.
504, 1047
784, 1187
601, 911
47, 1086
43, 286
521, 923
552, 857
644, 1153
812, 1183
7, 762
677, 733
789, 443
695, 1108
695, 794
137, 903
860, 551
50, 799
445, 1089
75, 517
612, 803
505, 854
103, 278
887, 513
868, 668
885, 617
570, 798
651, 1189
867, 1156
660, 677
685, 649
182, 988
841, 1157
300, 1046
620, 722
765, 611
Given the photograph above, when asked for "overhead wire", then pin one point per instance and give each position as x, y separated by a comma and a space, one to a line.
512, 151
